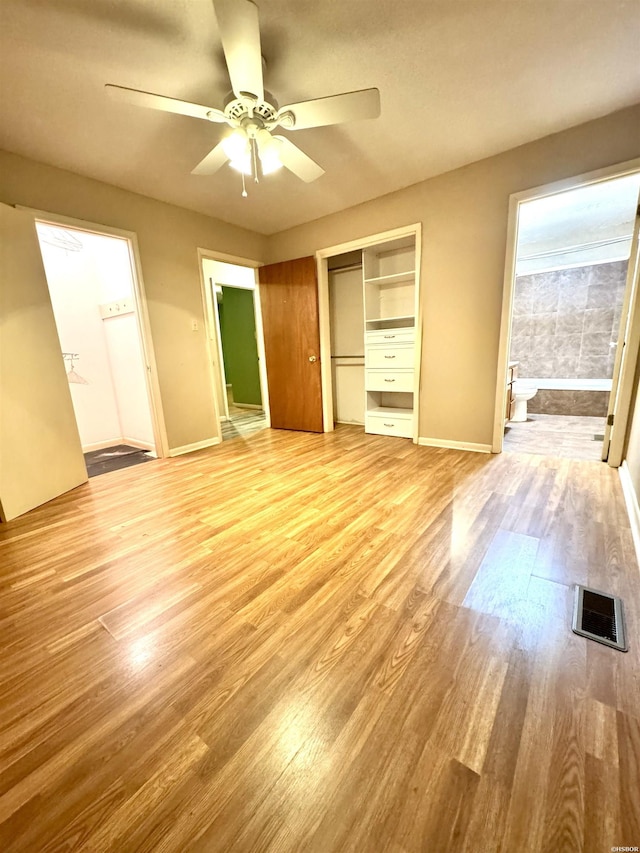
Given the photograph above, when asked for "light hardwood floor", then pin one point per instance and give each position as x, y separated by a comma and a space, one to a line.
301, 642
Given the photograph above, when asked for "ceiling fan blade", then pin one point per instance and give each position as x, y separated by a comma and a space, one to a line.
240, 36
297, 161
335, 109
160, 102
215, 159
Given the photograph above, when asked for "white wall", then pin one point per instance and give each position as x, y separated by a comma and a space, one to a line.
73, 285
114, 406
115, 282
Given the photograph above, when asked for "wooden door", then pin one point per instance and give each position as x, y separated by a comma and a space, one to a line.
289, 303
40, 451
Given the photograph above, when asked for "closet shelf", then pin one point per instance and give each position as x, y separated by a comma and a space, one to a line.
391, 410
392, 279
410, 317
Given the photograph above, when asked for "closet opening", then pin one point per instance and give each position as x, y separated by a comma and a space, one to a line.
96, 301
370, 333
346, 308
236, 347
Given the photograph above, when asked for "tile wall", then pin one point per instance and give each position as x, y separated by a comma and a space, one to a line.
564, 321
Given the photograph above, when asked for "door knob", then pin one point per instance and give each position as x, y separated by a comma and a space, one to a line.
313, 358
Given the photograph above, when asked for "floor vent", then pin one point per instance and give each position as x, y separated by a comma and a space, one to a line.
598, 437
599, 617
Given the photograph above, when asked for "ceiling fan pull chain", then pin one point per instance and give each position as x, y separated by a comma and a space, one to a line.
255, 160
244, 189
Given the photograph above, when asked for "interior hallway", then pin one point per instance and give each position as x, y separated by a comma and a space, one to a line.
323, 643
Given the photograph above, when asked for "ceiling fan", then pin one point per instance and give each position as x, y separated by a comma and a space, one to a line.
252, 147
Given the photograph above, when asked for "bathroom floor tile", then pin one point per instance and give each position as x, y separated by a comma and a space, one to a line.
556, 435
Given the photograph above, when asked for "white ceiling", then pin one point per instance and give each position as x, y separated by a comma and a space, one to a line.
459, 80
597, 212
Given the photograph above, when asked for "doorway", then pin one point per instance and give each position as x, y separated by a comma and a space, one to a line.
234, 332
95, 299
565, 311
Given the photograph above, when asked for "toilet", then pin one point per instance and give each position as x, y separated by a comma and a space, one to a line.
523, 391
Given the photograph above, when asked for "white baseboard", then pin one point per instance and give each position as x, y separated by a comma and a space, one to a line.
101, 445
633, 508
189, 448
454, 445
121, 439
143, 445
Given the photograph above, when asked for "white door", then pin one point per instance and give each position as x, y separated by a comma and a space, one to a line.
40, 452
626, 358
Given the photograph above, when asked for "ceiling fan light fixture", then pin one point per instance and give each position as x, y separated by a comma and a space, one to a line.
268, 151
236, 145
242, 164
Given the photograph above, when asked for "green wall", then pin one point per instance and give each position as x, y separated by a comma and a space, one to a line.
239, 347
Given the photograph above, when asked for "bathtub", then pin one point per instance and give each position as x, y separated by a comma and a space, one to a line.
585, 397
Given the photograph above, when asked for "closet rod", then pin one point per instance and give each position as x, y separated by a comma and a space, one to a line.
346, 269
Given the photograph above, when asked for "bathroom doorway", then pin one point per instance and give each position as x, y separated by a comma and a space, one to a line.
234, 332
96, 301
567, 311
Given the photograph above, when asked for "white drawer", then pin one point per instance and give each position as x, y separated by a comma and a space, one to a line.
390, 356
388, 380
401, 426
390, 336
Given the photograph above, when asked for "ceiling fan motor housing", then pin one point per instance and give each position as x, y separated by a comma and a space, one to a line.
247, 106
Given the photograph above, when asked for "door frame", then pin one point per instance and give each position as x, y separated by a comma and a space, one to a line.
214, 339
324, 317
142, 312
608, 173
626, 362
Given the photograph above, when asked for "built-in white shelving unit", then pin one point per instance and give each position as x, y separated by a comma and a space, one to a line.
390, 309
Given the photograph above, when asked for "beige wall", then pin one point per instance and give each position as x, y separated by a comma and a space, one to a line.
464, 216
168, 238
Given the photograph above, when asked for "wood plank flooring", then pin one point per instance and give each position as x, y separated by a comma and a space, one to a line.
301, 642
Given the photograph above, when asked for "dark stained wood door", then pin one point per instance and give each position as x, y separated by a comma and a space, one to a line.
289, 304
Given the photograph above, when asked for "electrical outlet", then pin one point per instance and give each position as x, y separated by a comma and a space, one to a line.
194, 325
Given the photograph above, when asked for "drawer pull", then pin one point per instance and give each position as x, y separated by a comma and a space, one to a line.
389, 380
389, 425
389, 356
389, 336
